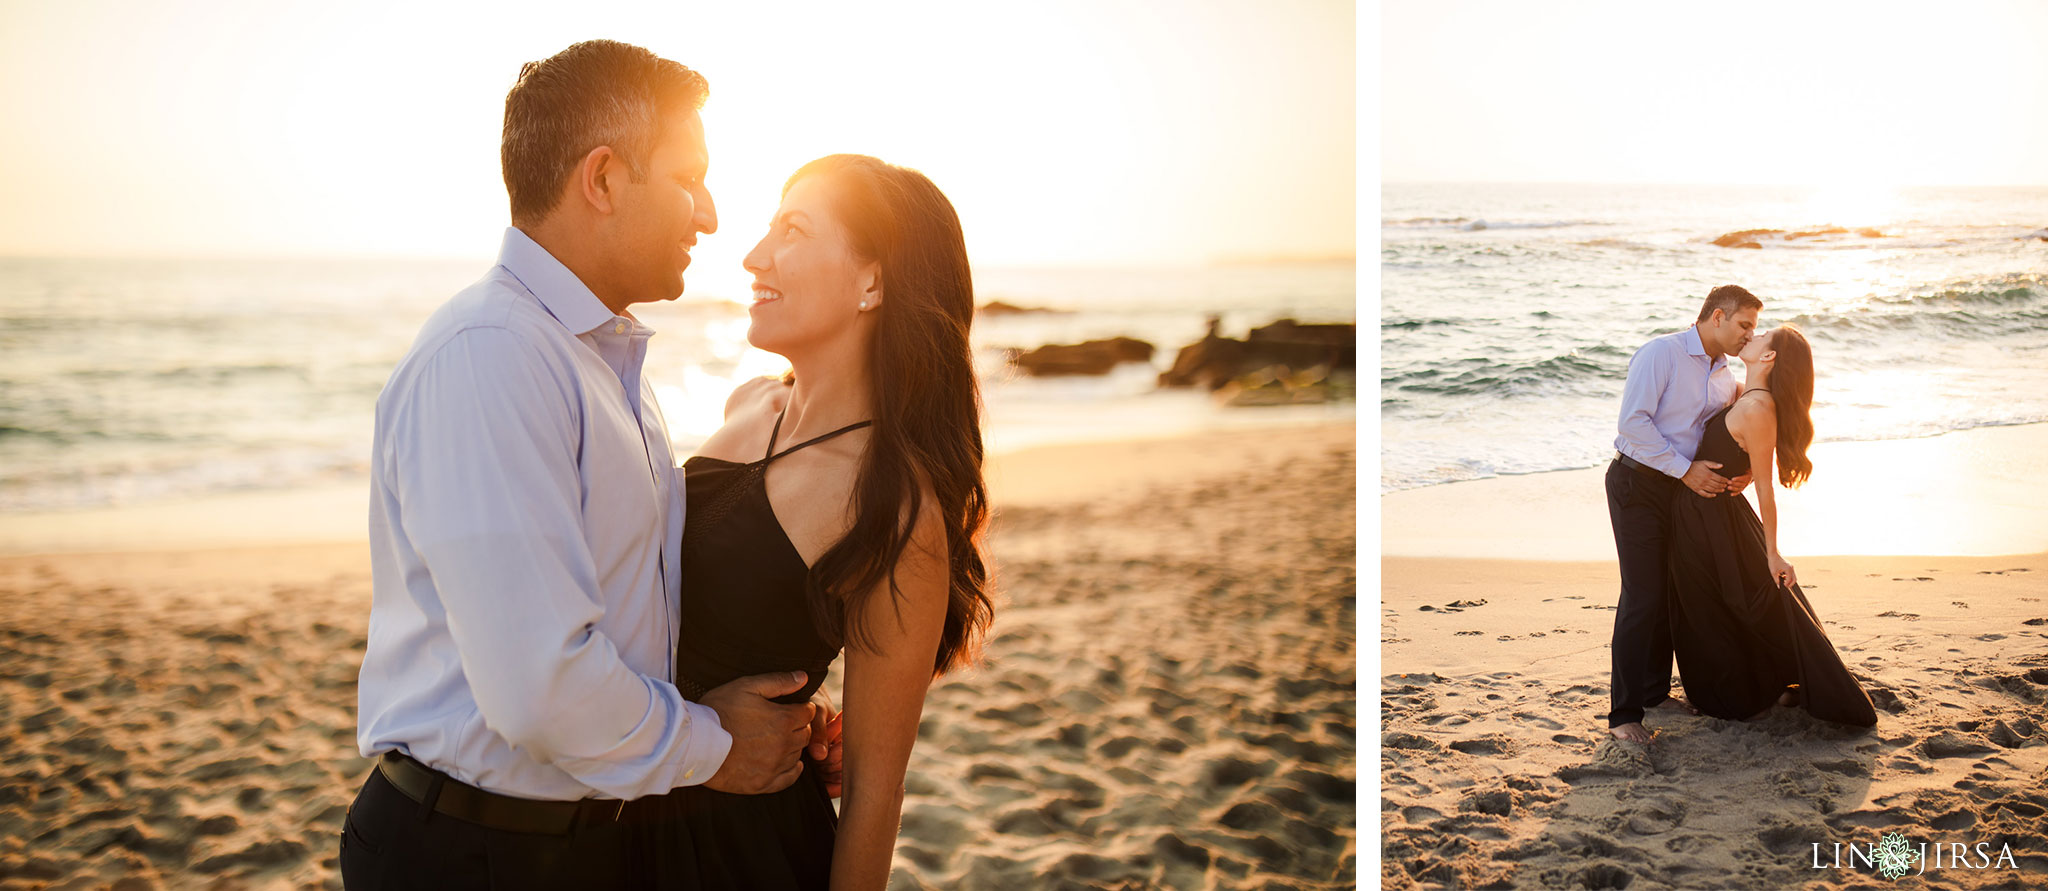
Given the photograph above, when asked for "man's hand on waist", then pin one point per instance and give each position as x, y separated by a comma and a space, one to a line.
767, 737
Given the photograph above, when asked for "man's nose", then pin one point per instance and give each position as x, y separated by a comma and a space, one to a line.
706, 218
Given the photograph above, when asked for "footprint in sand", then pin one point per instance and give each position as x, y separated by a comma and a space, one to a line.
1485, 745
1499, 802
1654, 817
1948, 744
1470, 633
1959, 603
1596, 606
1612, 759
1395, 739
1782, 836
1537, 721
1455, 606
1505, 637
1894, 614
2035, 622
2012, 735
1420, 814
1920, 578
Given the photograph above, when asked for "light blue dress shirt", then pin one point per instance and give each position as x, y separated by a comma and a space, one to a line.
526, 522
1673, 388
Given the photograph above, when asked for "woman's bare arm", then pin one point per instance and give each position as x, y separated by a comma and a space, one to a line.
1755, 427
885, 692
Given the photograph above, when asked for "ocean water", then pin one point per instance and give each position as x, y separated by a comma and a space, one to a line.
130, 381
1509, 312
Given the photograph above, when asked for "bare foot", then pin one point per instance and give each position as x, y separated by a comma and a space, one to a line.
1632, 732
1673, 702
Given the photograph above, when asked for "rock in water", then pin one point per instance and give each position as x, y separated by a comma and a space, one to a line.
1279, 351
1093, 357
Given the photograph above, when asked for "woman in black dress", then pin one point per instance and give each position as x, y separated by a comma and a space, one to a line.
1744, 634
841, 509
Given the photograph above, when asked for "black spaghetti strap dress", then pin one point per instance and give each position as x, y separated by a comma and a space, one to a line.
1741, 638
745, 612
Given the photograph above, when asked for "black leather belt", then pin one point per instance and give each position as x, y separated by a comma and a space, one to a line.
1640, 467
466, 802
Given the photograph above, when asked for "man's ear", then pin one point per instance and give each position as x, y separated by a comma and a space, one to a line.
594, 178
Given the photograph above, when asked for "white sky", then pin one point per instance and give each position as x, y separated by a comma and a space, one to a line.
1065, 133
1840, 94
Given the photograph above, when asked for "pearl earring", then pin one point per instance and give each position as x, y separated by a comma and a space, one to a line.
863, 304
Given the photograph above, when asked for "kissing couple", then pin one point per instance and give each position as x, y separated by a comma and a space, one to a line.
590, 668
1702, 579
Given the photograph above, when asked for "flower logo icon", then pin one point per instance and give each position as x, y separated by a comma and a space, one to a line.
1894, 856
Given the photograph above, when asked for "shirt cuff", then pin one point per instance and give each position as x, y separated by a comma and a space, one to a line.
709, 744
1682, 466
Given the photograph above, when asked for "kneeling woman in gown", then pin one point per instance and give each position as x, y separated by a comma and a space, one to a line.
1743, 633
842, 510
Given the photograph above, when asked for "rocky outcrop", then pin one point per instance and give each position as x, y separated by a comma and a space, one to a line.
1753, 238
999, 308
1092, 357
1745, 238
1280, 351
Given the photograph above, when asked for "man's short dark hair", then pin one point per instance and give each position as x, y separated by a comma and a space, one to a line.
598, 92
1729, 299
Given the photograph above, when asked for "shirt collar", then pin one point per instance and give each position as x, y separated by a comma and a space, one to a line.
564, 295
1696, 347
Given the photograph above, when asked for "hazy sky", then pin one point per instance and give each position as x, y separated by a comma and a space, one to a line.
1938, 93
1112, 132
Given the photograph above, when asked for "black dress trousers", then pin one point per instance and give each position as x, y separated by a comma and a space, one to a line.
1639, 508
390, 841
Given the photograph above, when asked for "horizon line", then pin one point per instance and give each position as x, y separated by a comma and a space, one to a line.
1811, 185
1273, 259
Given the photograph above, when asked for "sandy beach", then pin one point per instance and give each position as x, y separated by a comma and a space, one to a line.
1497, 772
1167, 700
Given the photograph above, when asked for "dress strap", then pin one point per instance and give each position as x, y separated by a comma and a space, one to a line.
815, 440
772, 434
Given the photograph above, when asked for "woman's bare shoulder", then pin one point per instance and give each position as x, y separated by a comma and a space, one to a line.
761, 392
1752, 411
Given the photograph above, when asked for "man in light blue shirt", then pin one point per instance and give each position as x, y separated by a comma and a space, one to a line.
1675, 383
526, 518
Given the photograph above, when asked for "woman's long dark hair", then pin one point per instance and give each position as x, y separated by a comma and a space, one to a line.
1792, 392
927, 408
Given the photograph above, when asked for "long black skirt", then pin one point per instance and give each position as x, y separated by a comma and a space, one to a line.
1740, 638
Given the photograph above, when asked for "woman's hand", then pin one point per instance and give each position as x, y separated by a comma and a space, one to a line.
828, 749
1782, 572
